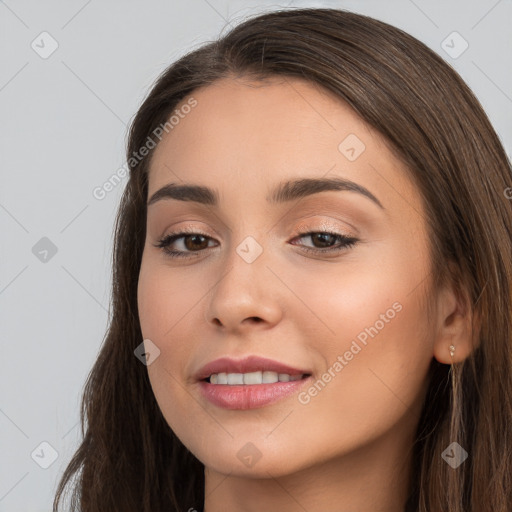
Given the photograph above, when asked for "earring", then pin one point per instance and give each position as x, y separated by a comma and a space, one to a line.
452, 350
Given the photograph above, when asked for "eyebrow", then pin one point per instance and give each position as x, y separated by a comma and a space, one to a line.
284, 192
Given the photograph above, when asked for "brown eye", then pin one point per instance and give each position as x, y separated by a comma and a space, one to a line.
195, 242
324, 239
190, 243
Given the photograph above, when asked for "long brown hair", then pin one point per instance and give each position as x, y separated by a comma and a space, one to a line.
130, 459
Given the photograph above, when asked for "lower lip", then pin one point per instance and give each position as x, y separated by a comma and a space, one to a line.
250, 396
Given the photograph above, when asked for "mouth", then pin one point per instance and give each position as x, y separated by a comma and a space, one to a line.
249, 383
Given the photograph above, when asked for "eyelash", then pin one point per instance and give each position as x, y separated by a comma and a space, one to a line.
347, 242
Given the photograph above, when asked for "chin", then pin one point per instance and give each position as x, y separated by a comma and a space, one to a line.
256, 458
266, 467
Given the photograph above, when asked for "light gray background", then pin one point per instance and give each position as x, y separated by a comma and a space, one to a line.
62, 133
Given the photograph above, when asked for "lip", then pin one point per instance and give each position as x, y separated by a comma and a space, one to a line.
246, 365
243, 397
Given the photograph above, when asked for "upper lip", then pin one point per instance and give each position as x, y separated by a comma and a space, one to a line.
246, 365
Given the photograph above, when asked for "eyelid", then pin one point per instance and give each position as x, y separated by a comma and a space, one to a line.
189, 228
326, 226
332, 216
305, 225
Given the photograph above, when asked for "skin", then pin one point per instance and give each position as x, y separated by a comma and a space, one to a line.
349, 447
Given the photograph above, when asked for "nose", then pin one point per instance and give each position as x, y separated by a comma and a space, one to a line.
246, 295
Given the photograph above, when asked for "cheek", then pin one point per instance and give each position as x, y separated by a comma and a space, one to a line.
368, 387
165, 299
372, 317
169, 307
160, 309
163, 306
347, 301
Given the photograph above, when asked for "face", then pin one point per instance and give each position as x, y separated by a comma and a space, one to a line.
326, 279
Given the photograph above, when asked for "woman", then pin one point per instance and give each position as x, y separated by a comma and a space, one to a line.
312, 284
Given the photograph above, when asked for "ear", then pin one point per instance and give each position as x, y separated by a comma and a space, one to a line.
454, 326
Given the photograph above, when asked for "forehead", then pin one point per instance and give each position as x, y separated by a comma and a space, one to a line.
245, 134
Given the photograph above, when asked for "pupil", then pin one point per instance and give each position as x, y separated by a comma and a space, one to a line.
195, 237
322, 236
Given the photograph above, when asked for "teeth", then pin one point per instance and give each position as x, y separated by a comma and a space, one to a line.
253, 378
236, 379
270, 377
